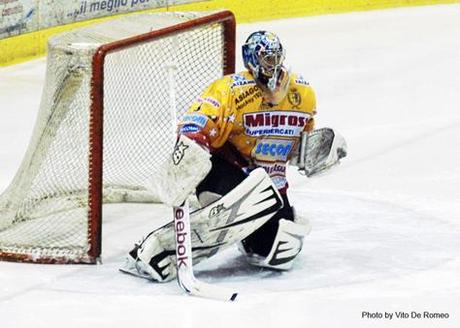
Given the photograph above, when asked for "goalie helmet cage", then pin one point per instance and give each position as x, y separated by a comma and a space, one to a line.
104, 126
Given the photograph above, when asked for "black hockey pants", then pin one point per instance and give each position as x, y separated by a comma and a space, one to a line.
224, 177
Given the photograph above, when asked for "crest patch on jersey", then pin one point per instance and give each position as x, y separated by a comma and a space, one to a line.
294, 98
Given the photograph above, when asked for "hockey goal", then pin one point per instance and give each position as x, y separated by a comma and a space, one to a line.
105, 126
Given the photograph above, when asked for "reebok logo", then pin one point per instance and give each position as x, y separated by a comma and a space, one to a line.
181, 248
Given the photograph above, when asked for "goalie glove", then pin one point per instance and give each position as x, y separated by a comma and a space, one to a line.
319, 150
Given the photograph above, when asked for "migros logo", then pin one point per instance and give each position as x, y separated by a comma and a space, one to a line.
275, 123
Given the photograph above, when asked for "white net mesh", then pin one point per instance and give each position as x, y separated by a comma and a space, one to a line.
44, 212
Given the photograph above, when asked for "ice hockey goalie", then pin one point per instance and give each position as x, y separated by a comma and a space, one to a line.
258, 118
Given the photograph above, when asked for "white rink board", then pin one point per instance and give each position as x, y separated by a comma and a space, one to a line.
386, 223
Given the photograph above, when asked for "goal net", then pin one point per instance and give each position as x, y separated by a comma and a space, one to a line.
105, 126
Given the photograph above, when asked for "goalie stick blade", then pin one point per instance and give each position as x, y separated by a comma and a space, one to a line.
195, 287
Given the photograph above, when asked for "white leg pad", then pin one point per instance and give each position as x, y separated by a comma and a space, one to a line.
149, 260
287, 245
208, 197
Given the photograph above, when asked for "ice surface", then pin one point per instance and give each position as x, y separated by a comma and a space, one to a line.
386, 222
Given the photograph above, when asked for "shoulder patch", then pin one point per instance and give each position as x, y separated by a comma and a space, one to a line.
210, 100
301, 80
189, 128
239, 80
196, 119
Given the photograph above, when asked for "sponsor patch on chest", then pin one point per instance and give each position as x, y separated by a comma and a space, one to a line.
272, 150
279, 123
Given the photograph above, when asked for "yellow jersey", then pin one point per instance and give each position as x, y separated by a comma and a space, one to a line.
232, 112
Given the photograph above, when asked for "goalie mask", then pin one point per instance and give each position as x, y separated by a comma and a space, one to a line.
263, 56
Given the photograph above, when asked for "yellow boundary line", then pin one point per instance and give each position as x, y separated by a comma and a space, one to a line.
28, 46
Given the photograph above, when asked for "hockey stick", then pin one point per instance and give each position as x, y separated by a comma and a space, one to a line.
185, 276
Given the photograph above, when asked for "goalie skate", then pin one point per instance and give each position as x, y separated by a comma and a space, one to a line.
213, 228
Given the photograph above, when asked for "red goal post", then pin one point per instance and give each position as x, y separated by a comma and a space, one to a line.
48, 197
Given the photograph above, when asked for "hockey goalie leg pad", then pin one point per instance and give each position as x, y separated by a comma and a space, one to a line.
150, 260
213, 228
180, 174
286, 246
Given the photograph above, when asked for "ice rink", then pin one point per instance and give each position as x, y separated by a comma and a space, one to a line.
386, 222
